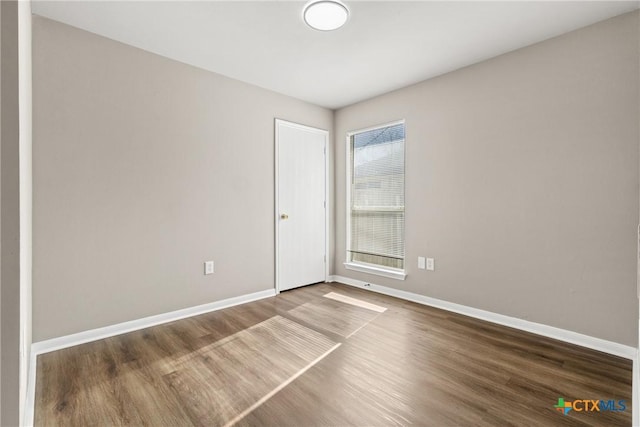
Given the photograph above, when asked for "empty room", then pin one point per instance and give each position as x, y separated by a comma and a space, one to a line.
319, 213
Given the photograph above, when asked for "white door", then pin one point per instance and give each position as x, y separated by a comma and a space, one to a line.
300, 205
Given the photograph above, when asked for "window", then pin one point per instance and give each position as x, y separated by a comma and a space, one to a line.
375, 230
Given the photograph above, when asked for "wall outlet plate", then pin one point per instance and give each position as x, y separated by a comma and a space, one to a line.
208, 267
422, 263
431, 264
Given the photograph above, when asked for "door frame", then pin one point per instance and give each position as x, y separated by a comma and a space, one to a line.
325, 133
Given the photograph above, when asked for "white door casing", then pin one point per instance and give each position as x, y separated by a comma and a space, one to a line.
301, 205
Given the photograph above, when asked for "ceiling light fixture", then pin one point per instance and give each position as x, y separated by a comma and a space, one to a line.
325, 15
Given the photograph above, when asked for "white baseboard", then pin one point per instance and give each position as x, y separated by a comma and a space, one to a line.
30, 399
133, 325
605, 346
53, 344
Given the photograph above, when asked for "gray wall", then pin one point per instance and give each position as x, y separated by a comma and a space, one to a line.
144, 168
522, 182
9, 217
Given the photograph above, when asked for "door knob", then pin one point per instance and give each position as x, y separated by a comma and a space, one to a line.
284, 216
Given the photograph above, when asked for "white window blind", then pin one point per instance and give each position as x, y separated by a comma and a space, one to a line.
376, 216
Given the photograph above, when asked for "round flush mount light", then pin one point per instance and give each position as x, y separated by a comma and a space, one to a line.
325, 15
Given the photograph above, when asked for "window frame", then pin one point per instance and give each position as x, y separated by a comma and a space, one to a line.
390, 272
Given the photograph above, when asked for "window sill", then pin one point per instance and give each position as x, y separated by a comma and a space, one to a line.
378, 271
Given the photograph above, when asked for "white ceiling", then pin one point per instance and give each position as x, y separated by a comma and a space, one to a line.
384, 46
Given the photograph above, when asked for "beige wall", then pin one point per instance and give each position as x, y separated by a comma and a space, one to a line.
144, 168
522, 182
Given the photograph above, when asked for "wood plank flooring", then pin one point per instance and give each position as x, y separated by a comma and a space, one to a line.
333, 316
301, 359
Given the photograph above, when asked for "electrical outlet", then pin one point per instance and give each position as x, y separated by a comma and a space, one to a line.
431, 264
208, 267
421, 263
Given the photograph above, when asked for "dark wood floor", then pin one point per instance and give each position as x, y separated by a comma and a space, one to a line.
300, 359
